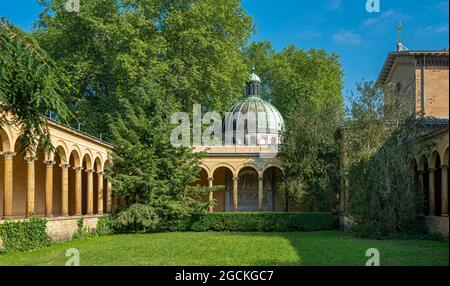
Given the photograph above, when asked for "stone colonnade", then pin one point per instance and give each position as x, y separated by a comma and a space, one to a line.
431, 177
258, 167
69, 179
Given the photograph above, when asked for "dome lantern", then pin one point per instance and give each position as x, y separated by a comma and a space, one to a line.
253, 84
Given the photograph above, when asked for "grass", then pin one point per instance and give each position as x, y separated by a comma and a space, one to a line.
235, 249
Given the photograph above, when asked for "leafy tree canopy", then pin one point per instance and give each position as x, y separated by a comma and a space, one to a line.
191, 48
31, 85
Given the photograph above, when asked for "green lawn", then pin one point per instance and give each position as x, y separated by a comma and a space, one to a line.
246, 249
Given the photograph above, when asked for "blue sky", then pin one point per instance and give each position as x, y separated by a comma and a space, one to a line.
362, 39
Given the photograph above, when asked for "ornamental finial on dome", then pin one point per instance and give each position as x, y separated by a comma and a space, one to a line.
253, 76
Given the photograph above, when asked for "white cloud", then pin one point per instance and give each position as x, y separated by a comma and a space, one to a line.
440, 7
385, 21
308, 34
347, 37
334, 4
433, 29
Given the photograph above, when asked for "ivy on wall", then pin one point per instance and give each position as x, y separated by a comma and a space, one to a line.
24, 235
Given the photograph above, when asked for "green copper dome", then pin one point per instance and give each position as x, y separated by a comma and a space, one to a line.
258, 121
268, 118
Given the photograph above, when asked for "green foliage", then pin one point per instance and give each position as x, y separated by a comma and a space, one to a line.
192, 48
143, 218
310, 157
378, 141
303, 78
306, 87
103, 228
147, 169
137, 218
31, 85
268, 222
24, 235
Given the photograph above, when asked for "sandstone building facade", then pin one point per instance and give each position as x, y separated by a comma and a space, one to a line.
423, 78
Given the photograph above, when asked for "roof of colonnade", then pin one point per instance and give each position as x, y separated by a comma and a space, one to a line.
67, 141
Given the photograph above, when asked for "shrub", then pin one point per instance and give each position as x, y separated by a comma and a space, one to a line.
103, 228
24, 235
137, 218
262, 221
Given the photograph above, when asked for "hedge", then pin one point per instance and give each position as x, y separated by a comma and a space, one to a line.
24, 235
262, 221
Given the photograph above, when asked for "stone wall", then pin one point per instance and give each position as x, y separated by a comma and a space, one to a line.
436, 225
61, 229
432, 224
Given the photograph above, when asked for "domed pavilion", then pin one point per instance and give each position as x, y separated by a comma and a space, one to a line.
247, 164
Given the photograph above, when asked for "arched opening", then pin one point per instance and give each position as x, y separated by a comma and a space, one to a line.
60, 159
19, 181
248, 190
437, 183
74, 162
4, 146
107, 200
87, 166
98, 194
223, 177
272, 200
416, 187
426, 184
39, 184
202, 181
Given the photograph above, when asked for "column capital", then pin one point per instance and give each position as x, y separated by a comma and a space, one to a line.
49, 163
211, 179
235, 178
30, 159
64, 166
78, 169
444, 166
89, 171
260, 177
431, 169
8, 154
100, 173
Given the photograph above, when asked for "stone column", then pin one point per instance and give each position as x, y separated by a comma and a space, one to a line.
260, 193
90, 192
444, 190
109, 197
431, 192
100, 193
30, 185
8, 185
235, 193
78, 190
421, 190
49, 188
64, 189
211, 195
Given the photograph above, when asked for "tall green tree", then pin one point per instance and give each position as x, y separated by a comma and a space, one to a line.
155, 178
306, 86
191, 47
380, 137
31, 85
300, 77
